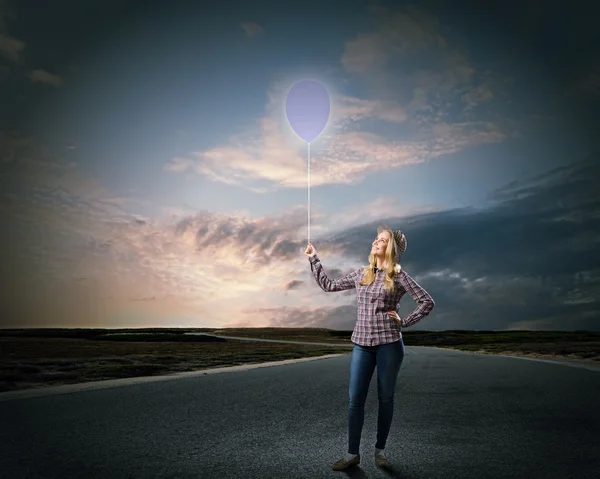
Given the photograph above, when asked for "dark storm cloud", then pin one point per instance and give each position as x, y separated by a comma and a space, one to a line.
536, 229
528, 259
555, 216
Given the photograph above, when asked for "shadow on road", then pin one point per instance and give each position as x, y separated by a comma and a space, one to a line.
393, 472
357, 473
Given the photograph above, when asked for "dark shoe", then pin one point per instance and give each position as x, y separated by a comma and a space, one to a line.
381, 460
343, 464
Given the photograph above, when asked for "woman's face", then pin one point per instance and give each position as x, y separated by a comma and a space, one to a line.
380, 244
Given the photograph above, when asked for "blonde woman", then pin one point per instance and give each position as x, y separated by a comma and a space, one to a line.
377, 335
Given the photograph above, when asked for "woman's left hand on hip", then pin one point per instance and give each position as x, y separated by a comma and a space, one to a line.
394, 316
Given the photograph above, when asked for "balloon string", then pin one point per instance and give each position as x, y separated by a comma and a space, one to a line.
309, 192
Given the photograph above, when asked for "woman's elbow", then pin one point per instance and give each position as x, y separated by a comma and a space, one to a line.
430, 303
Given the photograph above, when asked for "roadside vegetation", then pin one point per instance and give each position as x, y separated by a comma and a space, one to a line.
31, 358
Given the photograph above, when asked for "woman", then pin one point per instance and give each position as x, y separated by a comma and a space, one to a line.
377, 335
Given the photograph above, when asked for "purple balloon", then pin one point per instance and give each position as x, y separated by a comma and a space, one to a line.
307, 108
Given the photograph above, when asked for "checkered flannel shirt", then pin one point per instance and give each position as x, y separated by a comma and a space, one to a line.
374, 325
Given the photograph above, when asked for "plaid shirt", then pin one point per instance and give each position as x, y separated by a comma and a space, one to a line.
374, 325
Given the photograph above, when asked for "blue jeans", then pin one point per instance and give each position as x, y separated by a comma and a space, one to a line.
388, 359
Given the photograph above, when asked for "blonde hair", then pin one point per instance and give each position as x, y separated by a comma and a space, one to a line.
390, 266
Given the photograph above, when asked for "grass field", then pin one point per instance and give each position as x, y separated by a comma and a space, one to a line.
31, 358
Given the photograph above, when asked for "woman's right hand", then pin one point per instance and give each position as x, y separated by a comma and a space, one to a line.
310, 251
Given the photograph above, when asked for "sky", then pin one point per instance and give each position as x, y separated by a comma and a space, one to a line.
149, 176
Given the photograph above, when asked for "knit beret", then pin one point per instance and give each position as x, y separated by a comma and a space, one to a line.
399, 241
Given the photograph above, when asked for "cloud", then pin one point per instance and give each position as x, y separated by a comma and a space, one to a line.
340, 317
408, 56
69, 228
252, 29
367, 213
479, 95
11, 47
364, 53
407, 31
295, 284
6, 13
269, 156
349, 110
63, 224
589, 81
426, 100
525, 261
42, 76
86, 258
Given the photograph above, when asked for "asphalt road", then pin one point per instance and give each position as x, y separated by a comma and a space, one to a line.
458, 415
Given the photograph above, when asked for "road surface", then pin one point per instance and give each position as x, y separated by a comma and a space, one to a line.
457, 415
